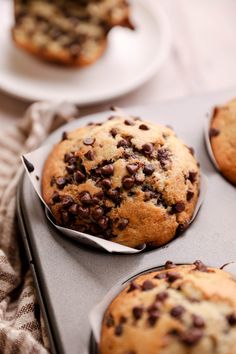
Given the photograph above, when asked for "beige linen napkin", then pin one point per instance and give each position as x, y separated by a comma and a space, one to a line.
21, 326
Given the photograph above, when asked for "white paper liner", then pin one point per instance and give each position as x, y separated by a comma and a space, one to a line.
97, 313
38, 157
207, 127
230, 268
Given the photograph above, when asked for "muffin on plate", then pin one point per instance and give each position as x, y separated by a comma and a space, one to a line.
125, 180
189, 309
223, 139
68, 32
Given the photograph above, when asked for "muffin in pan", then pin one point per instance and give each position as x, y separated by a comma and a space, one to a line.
188, 309
68, 32
124, 180
223, 139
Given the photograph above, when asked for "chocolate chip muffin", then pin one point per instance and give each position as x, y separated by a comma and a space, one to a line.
67, 31
223, 139
124, 180
188, 309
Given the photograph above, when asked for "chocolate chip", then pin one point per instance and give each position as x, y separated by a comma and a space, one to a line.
231, 319
138, 312
162, 296
190, 195
64, 136
198, 321
67, 201
170, 265
123, 223
199, 265
68, 156
177, 311
52, 181
114, 195
103, 222
143, 127
173, 276
191, 150
61, 182
73, 209
129, 122
97, 213
107, 170
97, 198
110, 321
79, 177
89, 141
28, 165
192, 336
89, 155
65, 217
132, 168
56, 197
122, 319
147, 285
192, 176
95, 230
178, 207
182, 227
214, 132
71, 169
154, 307
83, 211
133, 286
96, 172
160, 276
114, 132
106, 183
148, 170
99, 195
128, 182
85, 198
123, 143
153, 317
147, 149
163, 156
118, 330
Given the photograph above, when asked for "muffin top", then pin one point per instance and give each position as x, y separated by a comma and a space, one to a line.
125, 180
189, 309
223, 139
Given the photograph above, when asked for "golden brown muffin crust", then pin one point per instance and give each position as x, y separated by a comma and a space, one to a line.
128, 181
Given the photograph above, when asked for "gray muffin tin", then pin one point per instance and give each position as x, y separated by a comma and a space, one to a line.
71, 279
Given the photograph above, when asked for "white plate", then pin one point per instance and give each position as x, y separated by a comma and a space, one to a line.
130, 60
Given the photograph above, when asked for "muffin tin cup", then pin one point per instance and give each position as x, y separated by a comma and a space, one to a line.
86, 274
36, 160
97, 313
